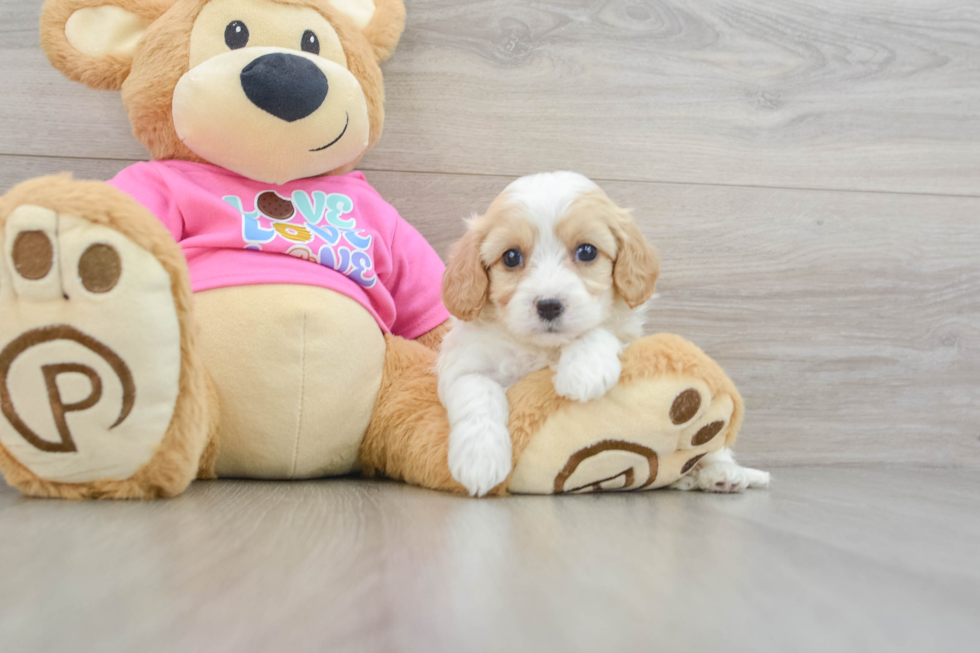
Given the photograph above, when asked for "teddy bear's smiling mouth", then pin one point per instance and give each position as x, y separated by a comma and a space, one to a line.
346, 124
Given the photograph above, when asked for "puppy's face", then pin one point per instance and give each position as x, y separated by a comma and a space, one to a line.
549, 260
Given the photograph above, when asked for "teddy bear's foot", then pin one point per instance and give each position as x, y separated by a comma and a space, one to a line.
672, 406
91, 385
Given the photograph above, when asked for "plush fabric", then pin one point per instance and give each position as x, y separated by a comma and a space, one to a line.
105, 30
130, 386
92, 368
672, 405
337, 231
192, 424
319, 356
105, 71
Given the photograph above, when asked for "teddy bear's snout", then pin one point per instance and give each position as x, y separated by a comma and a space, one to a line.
288, 86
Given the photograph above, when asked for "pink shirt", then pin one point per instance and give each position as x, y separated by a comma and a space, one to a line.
333, 232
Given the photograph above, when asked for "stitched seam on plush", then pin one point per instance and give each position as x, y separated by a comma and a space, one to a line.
302, 391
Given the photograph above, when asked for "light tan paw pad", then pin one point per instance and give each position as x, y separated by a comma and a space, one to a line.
90, 350
628, 439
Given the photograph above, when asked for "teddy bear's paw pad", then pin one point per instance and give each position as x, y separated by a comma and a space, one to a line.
608, 466
711, 423
89, 348
628, 439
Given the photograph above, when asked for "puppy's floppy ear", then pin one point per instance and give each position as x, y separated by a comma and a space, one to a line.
466, 284
636, 267
93, 41
381, 22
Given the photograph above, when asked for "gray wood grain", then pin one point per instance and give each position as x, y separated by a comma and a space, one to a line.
850, 321
845, 559
869, 95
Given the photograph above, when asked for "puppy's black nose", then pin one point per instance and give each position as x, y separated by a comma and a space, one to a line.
285, 85
549, 309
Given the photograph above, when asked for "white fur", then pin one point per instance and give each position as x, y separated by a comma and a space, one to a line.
718, 472
479, 360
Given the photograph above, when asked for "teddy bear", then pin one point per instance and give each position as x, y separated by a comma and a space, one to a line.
246, 305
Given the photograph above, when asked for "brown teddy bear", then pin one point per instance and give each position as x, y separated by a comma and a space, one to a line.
244, 305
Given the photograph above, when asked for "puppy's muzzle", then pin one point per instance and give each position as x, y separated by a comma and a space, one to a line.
285, 85
550, 309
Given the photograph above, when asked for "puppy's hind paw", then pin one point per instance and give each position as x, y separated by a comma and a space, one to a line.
729, 478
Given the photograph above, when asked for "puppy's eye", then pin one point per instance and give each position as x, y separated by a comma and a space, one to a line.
310, 42
236, 35
513, 258
586, 253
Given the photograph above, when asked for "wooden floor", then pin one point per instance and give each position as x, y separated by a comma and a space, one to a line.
835, 559
810, 172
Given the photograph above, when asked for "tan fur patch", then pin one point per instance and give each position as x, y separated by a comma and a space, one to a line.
408, 438
589, 222
476, 273
635, 266
433, 339
385, 28
465, 282
506, 229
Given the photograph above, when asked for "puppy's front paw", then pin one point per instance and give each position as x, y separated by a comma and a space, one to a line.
584, 375
479, 455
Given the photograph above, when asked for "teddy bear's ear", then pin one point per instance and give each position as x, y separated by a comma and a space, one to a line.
381, 22
93, 41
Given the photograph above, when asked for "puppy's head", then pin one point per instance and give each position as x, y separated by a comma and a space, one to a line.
549, 260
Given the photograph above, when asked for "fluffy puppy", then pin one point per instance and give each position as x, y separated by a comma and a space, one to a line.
554, 274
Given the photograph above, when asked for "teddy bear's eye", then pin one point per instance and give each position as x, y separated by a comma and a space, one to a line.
236, 35
310, 42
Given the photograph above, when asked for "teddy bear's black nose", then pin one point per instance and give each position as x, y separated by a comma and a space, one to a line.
285, 85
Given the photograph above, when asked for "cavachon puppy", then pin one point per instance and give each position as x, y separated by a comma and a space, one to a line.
553, 275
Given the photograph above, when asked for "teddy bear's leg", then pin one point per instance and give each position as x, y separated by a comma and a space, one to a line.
408, 437
672, 406
102, 393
